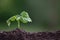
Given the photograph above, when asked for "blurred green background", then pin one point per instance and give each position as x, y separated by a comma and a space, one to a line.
45, 14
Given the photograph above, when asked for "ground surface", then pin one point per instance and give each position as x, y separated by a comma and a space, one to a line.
22, 35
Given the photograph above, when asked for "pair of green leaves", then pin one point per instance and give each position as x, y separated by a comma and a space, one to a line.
23, 17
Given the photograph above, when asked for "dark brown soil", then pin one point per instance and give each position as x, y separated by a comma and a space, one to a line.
22, 35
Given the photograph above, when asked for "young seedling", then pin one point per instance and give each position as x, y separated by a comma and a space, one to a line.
23, 17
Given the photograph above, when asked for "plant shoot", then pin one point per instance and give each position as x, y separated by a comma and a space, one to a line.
23, 17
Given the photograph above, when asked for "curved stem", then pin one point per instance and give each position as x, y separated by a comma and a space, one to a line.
18, 24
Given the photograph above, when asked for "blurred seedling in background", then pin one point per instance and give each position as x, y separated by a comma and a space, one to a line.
23, 17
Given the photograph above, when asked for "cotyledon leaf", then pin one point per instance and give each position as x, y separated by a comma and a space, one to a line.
24, 14
12, 18
25, 17
8, 22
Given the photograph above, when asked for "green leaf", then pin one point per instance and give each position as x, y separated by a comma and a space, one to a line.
8, 22
23, 20
24, 14
12, 18
17, 17
25, 17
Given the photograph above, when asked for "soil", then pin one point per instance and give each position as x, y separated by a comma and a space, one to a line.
23, 35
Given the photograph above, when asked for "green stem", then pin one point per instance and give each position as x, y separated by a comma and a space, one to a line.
18, 24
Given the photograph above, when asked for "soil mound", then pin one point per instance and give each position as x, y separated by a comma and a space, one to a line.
22, 35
